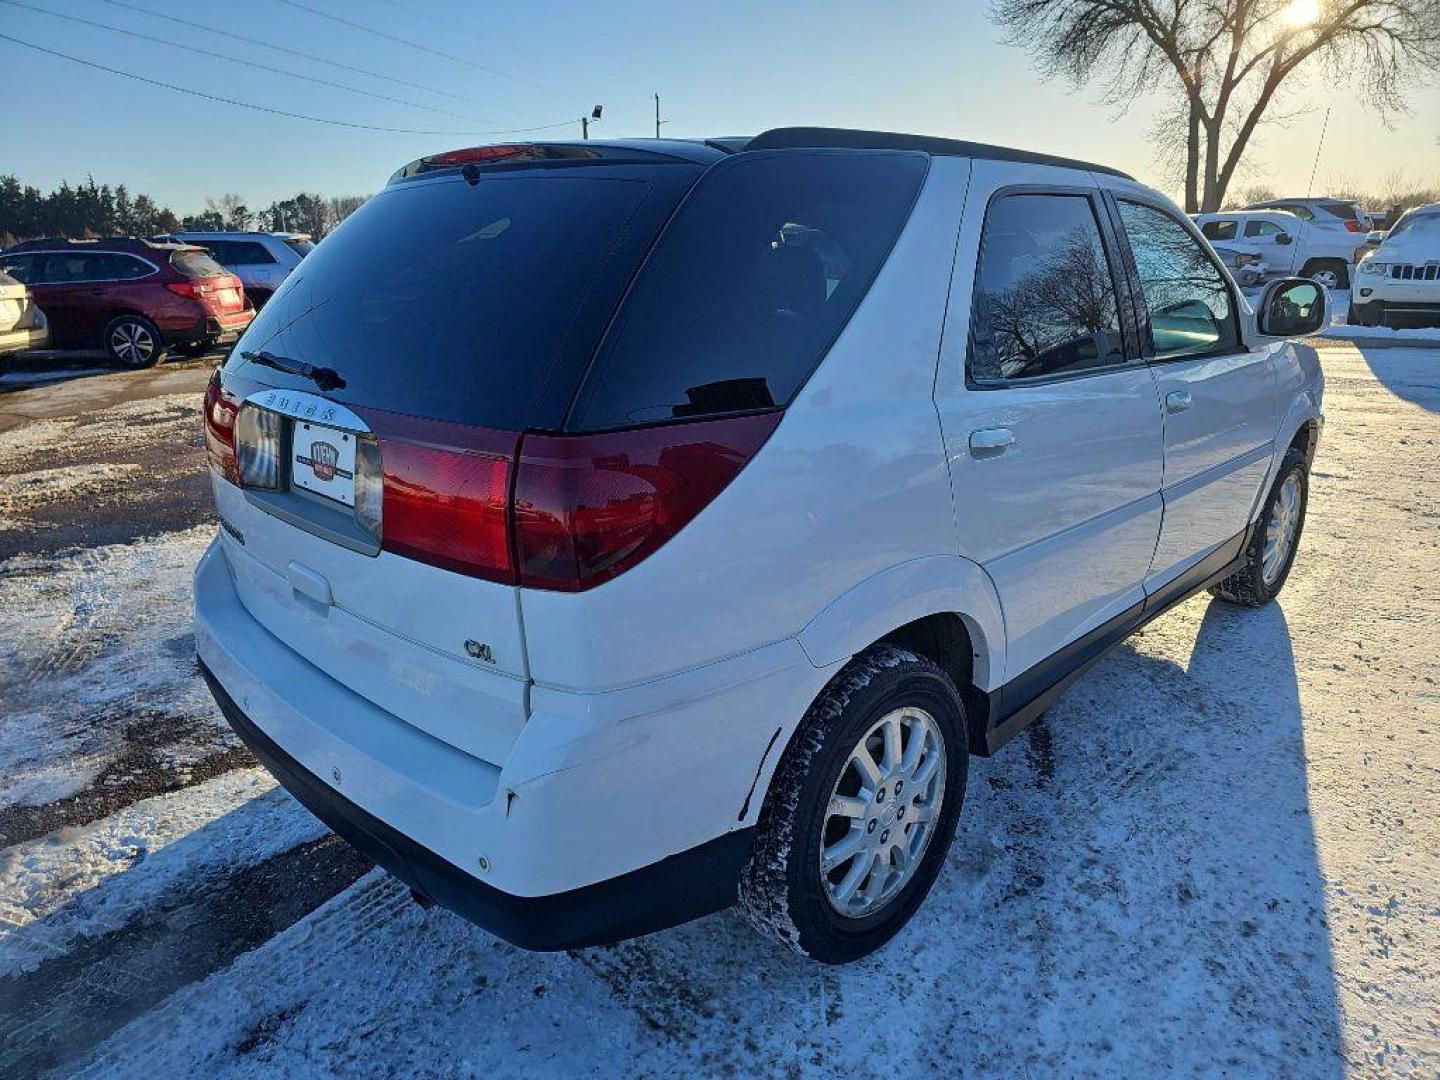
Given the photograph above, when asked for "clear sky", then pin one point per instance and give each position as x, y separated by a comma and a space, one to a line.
721, 68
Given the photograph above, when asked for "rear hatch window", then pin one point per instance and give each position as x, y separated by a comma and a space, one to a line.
454, 300
1343, 210
194, 263
749, 285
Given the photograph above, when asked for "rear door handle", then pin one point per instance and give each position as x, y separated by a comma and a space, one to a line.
987, 442
1177, 401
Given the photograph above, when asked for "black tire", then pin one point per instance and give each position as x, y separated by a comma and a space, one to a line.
133, 341
1336, 266
781, 889
1248, 585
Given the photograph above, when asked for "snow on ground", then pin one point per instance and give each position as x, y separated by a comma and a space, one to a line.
81, 882
1216, 856
96, 650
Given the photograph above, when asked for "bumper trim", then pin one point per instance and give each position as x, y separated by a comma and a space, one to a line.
684, 886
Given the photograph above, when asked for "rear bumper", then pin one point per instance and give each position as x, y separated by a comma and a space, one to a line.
609, 819
682, 887
13, 341
216, 329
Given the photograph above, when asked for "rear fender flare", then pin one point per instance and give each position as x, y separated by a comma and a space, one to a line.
888, 600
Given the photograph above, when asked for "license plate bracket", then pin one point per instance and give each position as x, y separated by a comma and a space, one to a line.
322, 461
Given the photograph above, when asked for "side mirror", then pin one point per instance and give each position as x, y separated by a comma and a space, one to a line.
1293, 307
1284, 238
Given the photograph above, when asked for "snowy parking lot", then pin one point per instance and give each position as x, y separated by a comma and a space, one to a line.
1219, 853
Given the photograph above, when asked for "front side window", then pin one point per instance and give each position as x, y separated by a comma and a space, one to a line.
1190, 307
1219, 230
1045, 299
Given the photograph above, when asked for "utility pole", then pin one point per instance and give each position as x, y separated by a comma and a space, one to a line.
586, 121
658, 121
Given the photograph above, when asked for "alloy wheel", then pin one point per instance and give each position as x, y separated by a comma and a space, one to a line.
1280, 530
882, 812
132, 343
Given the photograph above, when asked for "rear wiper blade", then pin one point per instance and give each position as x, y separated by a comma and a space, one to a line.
326, 378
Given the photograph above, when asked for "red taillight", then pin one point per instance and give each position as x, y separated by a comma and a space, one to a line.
220, 409
191, 290
447, 494
589, 507
1354, 226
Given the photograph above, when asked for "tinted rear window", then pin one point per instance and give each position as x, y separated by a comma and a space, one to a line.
196, 264
749, 285
451, 300
304, 247
1343, 210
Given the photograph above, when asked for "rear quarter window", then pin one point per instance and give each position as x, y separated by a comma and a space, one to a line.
748, 286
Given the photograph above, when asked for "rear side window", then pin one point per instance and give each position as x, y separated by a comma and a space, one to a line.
1262, 228
1219, 230
17, 266
196, 264
749, 286
1044, 293
304, 247
1343, 210
1190, 308
239, 252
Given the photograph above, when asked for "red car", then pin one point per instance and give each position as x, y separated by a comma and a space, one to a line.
133, 298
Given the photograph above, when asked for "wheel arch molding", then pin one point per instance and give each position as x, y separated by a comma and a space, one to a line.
892, 605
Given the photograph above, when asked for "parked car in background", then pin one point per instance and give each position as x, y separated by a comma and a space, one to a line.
22, 323
1399, 282
791, 473
261, 260
1246, 265
1289, 244
133, 298
1329, 213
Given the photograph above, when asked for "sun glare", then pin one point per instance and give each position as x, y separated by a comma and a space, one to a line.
1302, 12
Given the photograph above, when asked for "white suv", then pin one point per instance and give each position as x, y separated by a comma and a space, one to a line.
614, 531
1399, 281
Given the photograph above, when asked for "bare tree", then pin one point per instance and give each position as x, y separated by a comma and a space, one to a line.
234, 214
1225, 62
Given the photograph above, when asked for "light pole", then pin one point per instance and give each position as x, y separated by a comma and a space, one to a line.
593, 118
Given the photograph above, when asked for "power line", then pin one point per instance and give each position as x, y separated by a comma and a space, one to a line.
406, 41
266, 108
237, 60
286, 49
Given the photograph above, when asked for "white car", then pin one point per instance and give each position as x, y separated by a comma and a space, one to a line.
1289, 245
261, 260
1399, 282
22, 324
1326, 211
604, 545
